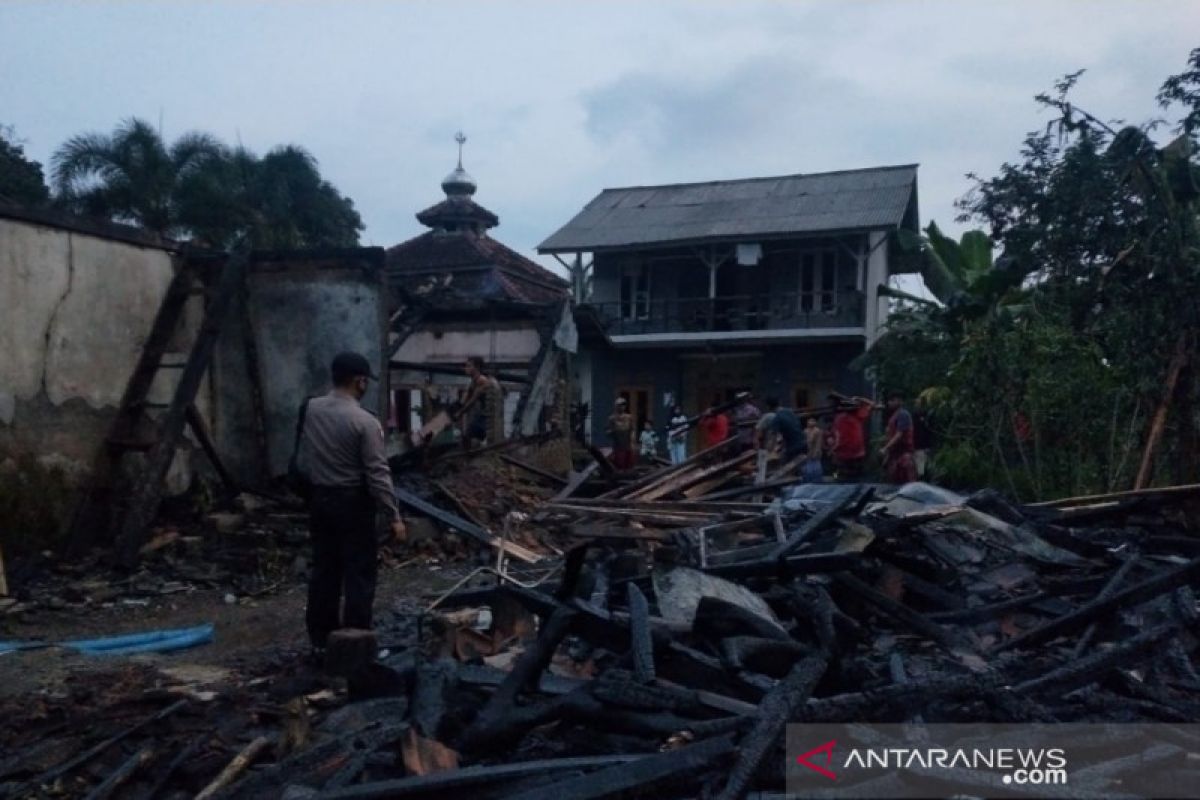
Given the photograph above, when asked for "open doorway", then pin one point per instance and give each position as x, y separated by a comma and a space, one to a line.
638, 398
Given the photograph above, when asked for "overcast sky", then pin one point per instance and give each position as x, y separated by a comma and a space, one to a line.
560, 100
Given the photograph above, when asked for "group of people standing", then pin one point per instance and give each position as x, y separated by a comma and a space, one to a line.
340, 463
814, 446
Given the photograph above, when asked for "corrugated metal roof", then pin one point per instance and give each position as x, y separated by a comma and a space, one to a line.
872, 198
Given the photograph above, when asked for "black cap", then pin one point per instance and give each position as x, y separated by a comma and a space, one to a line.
351, 365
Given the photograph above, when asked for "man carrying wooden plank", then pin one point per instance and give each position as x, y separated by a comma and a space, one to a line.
483, 406
786, 425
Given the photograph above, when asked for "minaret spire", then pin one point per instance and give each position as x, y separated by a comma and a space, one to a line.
461, 139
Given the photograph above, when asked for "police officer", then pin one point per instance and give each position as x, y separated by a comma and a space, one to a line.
342, 452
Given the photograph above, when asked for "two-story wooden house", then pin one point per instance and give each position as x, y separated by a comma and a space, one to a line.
689, 293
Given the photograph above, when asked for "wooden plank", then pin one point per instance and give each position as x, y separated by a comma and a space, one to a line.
662, 475
240, 763
740, 491
91, 511
901, 613
463, 526
148, 489
404, 323
543, 371
785, 567
481, 778
641, 774
777, 708
491, 448
684, 480
121, 775
606, 466
667, 505
1164, 492
433, 369
631, 514
786, 470
526, 672
462, 508
819, 520
705, 487
620, 535
641, 641
1178, 361
200, 431
1109, 590
558, 480
52, 774
576, 480
1138, 593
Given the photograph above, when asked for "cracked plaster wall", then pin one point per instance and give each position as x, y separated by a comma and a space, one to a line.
75, 310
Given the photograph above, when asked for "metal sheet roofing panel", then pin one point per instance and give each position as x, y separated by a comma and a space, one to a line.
833, 201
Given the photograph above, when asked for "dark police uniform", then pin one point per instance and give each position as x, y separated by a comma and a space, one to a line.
342, 450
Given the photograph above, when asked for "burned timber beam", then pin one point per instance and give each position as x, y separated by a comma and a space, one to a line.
777, 708
640, 636
459, 780
641, 774
525, 672
1101, 607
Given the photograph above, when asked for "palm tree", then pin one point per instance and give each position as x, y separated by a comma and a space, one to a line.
198, 188
278, 201
130, 176
298, 207
216, 201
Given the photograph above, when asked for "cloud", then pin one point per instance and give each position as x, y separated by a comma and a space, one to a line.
560, 100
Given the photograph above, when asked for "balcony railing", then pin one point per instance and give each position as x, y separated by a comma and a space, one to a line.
782, 311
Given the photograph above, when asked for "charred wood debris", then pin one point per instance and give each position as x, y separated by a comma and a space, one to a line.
651, 634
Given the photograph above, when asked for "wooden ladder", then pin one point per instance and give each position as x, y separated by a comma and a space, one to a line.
124, 501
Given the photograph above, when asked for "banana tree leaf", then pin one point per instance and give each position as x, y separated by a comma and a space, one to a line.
947, 251
976, 250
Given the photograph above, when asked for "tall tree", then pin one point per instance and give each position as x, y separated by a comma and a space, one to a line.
21, 179
198, 188
1093, 381
279, 201
131, 175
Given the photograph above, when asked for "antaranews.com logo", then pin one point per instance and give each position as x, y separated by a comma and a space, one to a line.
984, 760
1022, 766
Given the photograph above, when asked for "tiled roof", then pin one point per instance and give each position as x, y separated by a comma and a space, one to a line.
474, 266
864, 199
457, 209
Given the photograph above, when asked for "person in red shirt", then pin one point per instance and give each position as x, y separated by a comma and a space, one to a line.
897, 451
714, 426
849, 446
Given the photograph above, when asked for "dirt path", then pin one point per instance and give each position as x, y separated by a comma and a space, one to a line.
249, 633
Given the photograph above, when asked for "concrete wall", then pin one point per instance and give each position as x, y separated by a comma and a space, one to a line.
77, 309
76, 305
498, 343
304, 308
77, 302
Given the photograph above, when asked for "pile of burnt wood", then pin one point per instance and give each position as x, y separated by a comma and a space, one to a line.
674, 675
667, 662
